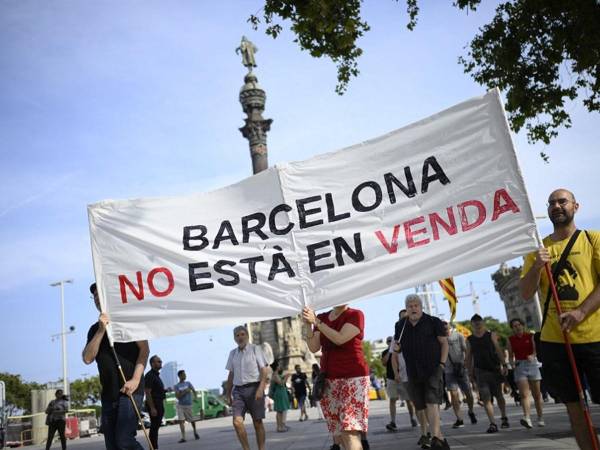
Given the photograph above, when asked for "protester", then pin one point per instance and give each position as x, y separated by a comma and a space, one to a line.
316, 370
391, 386
119, 419
521, 354
248, 373
375, 383
401, 379
579, 293
279, 393
56, 419
185, 393
338, 334
422, 339
485, 361
456, 375
301, 388
155, 396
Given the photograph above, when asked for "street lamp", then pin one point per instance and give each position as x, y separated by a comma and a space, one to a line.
61, 283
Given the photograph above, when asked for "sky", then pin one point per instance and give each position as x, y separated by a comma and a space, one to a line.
125, 99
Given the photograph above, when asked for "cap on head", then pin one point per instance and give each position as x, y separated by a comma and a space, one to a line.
476, 318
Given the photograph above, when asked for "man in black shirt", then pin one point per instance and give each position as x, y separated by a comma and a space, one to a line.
424, 344
300, 384
485, 361
119, 420
155, 396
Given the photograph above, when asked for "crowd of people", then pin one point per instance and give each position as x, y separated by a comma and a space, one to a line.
426, 357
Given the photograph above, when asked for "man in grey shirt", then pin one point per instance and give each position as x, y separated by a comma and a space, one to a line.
456, 375
245, 388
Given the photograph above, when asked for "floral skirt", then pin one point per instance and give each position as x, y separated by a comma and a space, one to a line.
345, 404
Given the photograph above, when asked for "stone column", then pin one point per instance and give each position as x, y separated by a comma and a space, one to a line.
281, 336
253, 98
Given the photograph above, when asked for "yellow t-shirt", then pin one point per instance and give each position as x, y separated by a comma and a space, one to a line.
577, 280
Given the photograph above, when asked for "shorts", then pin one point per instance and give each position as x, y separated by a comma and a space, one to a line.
527, 370
184, 412
429, 391
557, 370
244, 401
489, 384
457, 380
300, 399
345, 404
397, 390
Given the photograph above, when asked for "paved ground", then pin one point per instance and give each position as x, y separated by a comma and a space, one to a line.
217, 434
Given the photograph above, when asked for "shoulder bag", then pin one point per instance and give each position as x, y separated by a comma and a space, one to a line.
557, 270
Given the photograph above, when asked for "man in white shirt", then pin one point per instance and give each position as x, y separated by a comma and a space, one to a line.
245, 388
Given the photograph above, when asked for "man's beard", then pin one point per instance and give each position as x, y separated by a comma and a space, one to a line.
562, 219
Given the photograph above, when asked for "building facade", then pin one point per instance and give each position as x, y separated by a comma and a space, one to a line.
506, 283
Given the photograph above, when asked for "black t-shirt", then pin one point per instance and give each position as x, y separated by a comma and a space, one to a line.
153, 382
484, 352
107, 367
420, 346
299, 384
389, 369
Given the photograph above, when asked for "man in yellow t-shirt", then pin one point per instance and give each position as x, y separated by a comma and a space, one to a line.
579, 293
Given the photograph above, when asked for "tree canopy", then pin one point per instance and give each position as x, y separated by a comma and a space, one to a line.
374, 361
18, 393
540, 53
85, 391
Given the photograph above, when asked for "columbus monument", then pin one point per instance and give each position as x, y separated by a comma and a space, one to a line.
281, 338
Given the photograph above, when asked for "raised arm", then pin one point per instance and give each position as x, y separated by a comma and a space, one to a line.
347, 332
528, 285
90, 351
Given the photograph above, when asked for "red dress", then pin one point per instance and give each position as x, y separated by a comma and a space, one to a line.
345, 402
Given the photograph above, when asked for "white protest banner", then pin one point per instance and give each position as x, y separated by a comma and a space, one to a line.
438, 198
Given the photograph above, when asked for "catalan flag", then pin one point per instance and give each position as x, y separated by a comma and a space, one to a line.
447, 285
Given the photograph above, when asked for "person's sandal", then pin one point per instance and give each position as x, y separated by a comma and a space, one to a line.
493, 428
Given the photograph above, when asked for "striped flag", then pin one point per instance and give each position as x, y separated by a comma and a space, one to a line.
447, 285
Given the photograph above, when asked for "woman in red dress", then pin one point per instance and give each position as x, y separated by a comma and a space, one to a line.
345, 403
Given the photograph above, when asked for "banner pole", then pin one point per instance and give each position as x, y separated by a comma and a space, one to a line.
582, 402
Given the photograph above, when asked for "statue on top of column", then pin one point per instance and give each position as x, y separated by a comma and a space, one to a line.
247, 49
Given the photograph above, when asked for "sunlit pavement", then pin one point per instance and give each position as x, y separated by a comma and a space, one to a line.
218, 434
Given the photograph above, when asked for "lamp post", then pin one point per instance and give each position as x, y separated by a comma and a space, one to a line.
61, 283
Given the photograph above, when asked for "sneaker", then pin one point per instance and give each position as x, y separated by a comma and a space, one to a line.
391, 426
196, 436
438, 443
424, 442
458, 424
365, 444
493, 428
526, 422
181, 441
472, 417
541, 423
413, 422
504, 423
